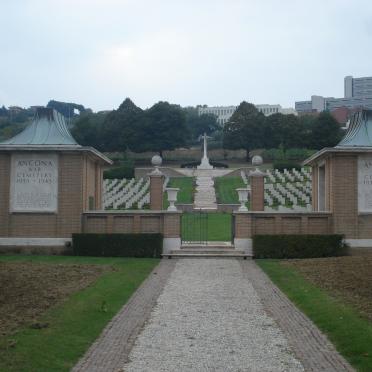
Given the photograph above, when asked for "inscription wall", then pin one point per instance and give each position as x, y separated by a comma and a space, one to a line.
365, 183
34, 182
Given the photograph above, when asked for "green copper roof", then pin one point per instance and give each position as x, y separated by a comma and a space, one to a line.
47, 128
359, 133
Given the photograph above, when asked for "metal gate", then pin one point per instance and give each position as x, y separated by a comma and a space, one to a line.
195, 228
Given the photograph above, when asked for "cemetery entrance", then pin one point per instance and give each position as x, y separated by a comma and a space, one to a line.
201, 227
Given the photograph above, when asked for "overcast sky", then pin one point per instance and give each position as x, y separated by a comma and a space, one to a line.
215, 52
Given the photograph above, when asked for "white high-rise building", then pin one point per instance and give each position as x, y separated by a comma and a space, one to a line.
224, 113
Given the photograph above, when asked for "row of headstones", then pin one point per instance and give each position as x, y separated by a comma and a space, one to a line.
285, 193
124, 194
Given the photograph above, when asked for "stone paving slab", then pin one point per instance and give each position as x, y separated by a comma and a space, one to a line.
110, 351
310, 345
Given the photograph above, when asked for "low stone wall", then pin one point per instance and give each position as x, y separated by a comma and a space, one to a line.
248, 224
143, 221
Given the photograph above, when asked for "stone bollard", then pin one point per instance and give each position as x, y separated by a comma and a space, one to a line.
257, 186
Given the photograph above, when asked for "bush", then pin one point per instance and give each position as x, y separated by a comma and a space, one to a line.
298, 246
194, 164
117, 245
125, 170
281, 165
284, 155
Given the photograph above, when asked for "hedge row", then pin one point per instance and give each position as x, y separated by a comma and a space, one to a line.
117, 245
298, 246
194, 164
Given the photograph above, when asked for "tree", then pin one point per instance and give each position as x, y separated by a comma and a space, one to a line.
326, 132
88, 130
245, 129
164, 128
66, 108
283, 131
122, 127
200, 124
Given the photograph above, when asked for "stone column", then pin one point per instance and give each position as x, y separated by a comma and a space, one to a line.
156, 190
257, 190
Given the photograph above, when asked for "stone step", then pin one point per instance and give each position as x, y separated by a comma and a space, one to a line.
179, 254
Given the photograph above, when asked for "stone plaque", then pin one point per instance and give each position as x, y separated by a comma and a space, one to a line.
34, 182
365, 183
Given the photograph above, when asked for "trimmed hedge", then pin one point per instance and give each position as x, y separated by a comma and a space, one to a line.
125, 170
194, 164
285, 164
298, 246
117, 245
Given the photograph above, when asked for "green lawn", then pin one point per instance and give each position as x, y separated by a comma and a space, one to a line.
208, 226
186, 186
348, 331
76, 323
226, 189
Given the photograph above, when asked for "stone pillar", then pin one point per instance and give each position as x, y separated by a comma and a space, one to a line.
156, 190
257, 190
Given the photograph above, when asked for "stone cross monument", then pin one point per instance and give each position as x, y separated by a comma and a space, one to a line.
205, 161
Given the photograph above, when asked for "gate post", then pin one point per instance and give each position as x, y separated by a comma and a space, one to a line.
156, 190
171, 231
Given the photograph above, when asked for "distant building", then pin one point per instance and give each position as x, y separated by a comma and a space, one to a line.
224, 113
357, 94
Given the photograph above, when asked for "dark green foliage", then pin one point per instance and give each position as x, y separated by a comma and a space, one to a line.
286, 164
200, 124
117, 245
245, 129
125, 170
194, 164
326, 132
298, 246
66, 108
164, 128
279, 154
88, 130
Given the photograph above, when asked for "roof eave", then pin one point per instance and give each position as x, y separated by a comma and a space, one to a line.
79, 148
333, 150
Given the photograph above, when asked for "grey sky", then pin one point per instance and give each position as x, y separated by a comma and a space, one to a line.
220, 52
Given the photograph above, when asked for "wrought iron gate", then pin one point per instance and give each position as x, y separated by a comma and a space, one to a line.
195, 228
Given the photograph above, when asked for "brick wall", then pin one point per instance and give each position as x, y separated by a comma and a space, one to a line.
79, 177
248, 224
166, 223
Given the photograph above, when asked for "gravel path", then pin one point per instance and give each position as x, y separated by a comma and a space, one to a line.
210, 318
110, 351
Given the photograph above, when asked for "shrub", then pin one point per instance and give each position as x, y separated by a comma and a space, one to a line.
194, 164
298, 246
285, 164
117, 245
125, 170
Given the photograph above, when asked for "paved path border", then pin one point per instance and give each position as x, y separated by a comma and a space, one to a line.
110, 351
309, 344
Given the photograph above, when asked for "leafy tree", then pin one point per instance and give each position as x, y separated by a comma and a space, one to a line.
122, 128
326, 132
283, 131
65, 108
164, 128
245, 129
88, 130
200, 124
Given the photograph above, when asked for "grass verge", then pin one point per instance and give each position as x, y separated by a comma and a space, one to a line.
226, 189
185, 195
345, 327
77, 322
216, 227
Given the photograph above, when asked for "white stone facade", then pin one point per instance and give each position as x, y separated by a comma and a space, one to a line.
224, 113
